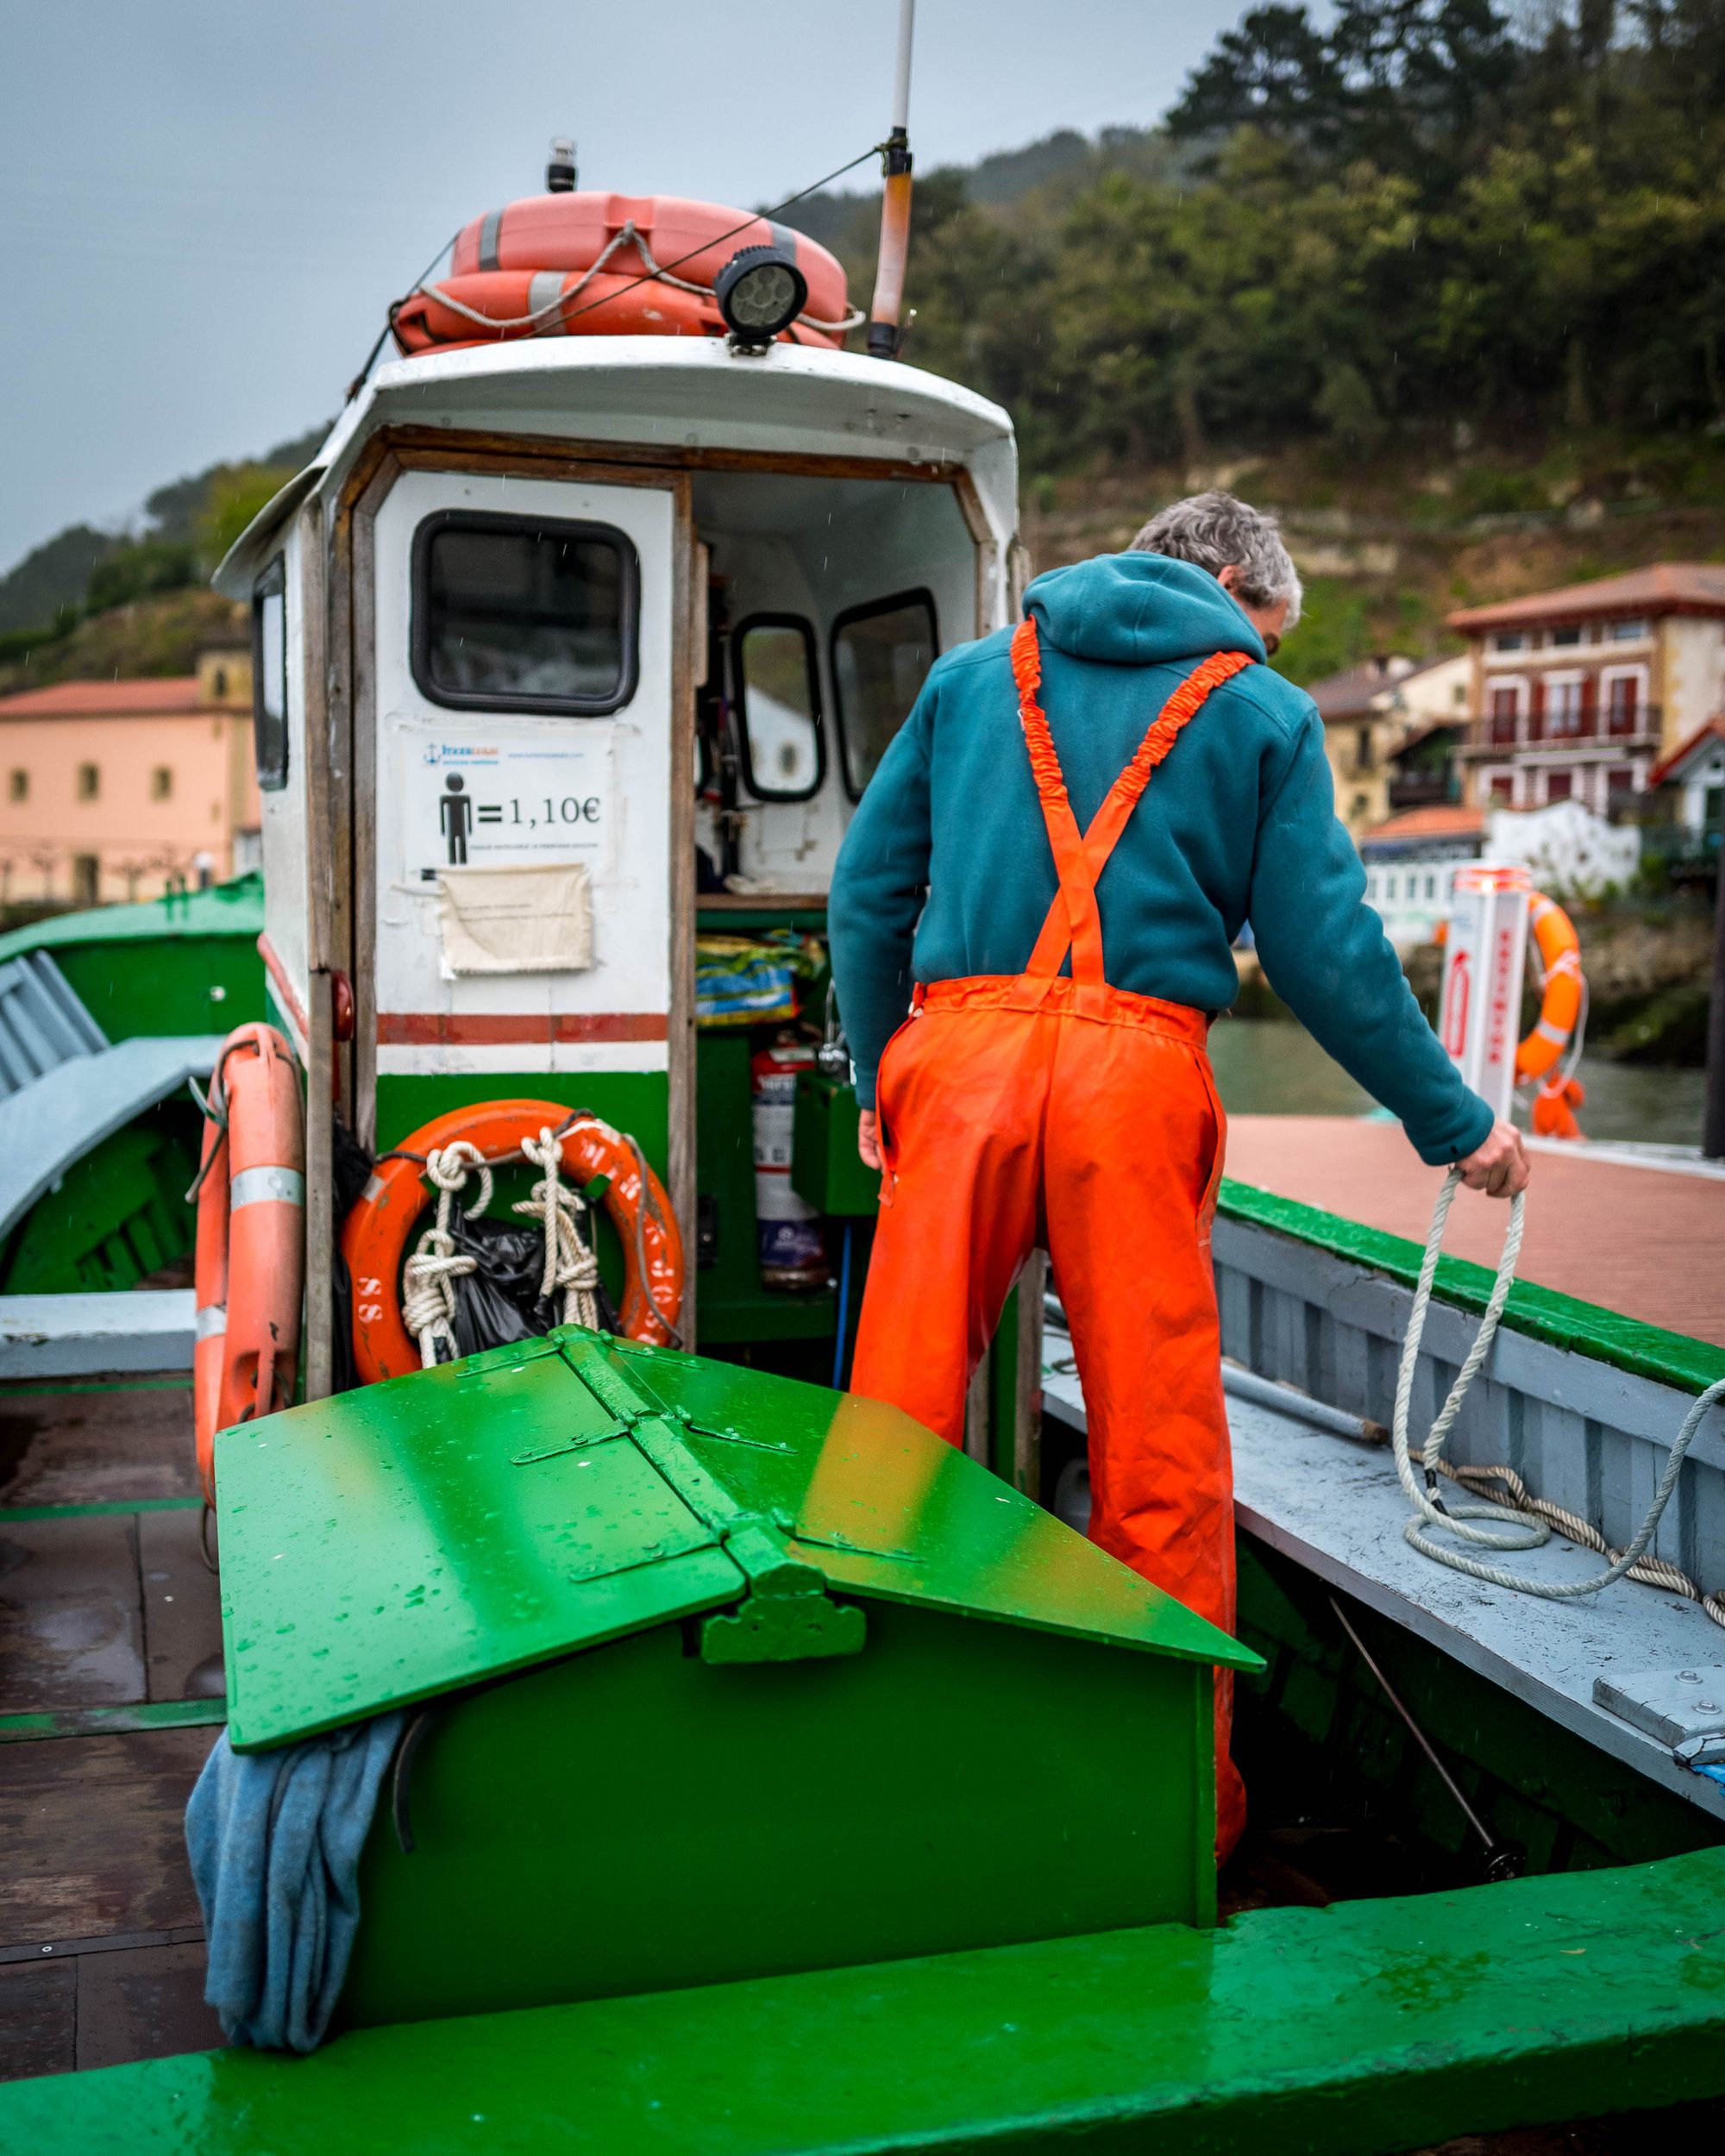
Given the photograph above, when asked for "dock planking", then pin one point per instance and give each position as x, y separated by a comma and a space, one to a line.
1640, 1241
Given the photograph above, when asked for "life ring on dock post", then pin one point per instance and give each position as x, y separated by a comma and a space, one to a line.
251, 1247
375, 1235
1560, 1000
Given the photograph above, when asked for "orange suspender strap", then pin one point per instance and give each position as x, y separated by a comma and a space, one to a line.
1074, 920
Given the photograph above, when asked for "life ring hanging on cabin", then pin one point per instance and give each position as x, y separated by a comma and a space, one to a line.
593, 263
251, 1203
375, 1235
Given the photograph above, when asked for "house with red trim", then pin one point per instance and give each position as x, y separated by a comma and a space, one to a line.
1579, 693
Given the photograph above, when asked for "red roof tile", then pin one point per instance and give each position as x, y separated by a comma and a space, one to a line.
1668, 587
1442, 821
105, 700
1680, 755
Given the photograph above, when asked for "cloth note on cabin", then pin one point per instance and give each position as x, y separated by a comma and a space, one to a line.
515, 920
274, 1838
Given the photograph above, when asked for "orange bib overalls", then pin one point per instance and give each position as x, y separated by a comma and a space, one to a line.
1043, 1105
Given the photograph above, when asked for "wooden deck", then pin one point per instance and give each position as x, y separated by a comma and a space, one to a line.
105, 1612
1644, 1241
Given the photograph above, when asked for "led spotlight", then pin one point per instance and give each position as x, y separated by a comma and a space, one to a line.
759, 292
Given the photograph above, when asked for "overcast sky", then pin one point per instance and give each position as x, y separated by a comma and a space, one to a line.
207, 208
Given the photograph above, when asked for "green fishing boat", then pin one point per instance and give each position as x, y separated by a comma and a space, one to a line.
733, 1765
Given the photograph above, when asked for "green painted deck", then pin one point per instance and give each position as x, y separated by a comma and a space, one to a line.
1360, 2030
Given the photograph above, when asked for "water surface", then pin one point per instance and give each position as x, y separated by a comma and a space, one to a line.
1274, 1066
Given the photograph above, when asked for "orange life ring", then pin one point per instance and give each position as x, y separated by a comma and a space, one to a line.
504, 266
251, 1248
1559, 950
375, 1235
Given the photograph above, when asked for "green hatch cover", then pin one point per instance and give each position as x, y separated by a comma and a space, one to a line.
461, 1523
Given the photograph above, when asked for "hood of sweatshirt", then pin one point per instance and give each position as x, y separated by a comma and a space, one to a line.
1139, 610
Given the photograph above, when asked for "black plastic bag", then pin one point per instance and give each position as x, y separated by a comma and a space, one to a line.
499, 1300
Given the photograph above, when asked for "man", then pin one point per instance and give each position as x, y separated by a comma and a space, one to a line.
1052, 892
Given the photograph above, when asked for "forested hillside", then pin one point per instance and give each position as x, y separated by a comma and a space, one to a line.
1423, 216
1445, 286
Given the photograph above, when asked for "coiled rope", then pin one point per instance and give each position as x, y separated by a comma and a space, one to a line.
428, 1305
1525, 1522
428, 1309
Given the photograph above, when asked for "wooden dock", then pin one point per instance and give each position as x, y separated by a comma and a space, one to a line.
1645, 1241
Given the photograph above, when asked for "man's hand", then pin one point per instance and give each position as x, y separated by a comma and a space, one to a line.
1500, 1167
869, 1138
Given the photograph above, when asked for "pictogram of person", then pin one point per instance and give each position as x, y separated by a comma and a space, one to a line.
454, 818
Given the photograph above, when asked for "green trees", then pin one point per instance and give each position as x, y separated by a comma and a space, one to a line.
1419, 213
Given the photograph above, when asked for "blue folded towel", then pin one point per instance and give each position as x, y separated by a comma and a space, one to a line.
274, 1838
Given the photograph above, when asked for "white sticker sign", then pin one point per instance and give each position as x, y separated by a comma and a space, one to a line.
512, 797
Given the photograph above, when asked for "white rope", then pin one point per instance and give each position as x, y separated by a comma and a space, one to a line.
570, 1263
1528, 1522
629, 234
428, 1308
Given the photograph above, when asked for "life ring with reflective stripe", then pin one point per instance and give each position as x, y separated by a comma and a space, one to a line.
251, 1247
629, 265
376, 1234
1559, 950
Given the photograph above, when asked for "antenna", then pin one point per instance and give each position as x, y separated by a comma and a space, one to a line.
884, 334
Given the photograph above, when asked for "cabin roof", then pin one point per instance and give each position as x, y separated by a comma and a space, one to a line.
668, 393
458, 1524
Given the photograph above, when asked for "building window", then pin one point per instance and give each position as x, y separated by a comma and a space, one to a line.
86, 879
1559, 784
162, 783
218, 684
1362, 749
1562, 706
1625, 632
1504, 705
1432, 885
1511, 640
882, 654
1622, 702
18, 787
1569, 635
1620, 784
89, 782
1502, 787
513, 613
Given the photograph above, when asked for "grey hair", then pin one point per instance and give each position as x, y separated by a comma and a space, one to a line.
1215, 532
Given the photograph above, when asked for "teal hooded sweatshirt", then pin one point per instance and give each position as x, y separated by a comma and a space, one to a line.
945, 872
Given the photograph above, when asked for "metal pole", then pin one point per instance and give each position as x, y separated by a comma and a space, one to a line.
1503, 1859
1713, 1121
895, 204
902, 80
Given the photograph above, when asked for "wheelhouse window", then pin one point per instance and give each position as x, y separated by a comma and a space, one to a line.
523, 614
880, 658
269, 678
778, 707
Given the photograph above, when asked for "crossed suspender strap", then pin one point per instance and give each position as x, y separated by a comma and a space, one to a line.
1074, 922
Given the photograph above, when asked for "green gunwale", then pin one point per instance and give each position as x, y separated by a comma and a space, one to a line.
1564, 1321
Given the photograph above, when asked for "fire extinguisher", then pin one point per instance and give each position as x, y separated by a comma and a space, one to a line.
792, 1240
